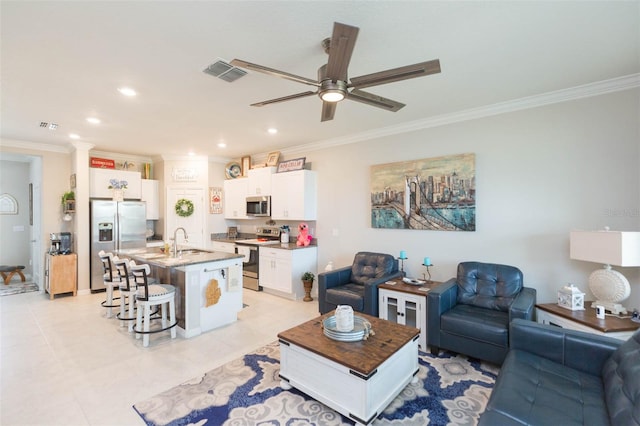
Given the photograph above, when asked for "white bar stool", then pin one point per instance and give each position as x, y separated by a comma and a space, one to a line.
149, 295
111, 280
128, 290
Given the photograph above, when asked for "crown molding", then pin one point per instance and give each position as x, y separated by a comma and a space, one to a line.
599, 88
35, 146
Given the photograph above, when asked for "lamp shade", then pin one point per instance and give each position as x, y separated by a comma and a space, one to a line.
606, 247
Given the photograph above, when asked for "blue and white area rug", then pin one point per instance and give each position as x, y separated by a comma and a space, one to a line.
451, 390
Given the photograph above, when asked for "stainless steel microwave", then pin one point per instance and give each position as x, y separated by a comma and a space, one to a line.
259, 206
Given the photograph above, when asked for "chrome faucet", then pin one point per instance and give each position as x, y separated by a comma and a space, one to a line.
175, 240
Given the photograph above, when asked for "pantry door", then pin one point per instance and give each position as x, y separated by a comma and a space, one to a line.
193, 224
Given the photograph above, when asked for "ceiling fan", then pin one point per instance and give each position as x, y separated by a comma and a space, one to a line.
333, 85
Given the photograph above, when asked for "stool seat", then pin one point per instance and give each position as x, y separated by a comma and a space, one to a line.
8, 271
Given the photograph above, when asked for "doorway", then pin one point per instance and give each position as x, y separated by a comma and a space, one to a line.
21, 242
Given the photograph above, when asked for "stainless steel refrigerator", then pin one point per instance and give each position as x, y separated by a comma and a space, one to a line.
115, 225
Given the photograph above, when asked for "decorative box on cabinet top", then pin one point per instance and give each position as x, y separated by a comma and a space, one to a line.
570, 297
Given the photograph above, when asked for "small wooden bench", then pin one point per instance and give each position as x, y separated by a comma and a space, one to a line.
8, 272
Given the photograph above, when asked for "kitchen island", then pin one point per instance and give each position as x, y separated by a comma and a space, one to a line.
208, 284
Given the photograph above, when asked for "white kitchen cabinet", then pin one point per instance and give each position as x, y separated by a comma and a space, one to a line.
235, 202
99, 181
294, 195
260, 181
151, 195
405, 309
222, 246
281, 269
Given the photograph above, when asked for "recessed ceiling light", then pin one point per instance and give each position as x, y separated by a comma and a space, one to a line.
74, 136
191, 154
93, 120
272, 130
127, 91
222, 145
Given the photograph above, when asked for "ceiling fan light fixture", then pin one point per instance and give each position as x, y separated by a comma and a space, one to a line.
332, 96
332, 91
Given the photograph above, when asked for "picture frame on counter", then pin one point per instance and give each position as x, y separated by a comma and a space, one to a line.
291, 165
272, 158
245, 162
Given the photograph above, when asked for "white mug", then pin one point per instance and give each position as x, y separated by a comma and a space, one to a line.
599, 311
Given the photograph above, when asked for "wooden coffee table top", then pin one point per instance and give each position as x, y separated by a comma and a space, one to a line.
363, 356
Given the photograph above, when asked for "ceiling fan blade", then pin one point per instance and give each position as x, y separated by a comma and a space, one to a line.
328, 110
343, 40
277, 73
374, 100
284, 99
396, 74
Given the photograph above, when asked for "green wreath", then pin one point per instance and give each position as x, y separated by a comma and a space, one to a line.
184, 207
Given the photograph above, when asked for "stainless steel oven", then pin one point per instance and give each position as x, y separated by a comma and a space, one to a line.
250, 265
250, 249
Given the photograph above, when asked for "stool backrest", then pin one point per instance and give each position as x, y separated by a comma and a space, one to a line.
140, 274
107, 266
122, 267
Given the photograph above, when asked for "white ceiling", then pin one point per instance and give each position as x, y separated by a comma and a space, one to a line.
63, 61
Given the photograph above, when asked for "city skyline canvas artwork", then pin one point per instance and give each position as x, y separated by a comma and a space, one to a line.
428, 194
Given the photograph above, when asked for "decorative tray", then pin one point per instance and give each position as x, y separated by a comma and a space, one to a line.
413, 281
361, 330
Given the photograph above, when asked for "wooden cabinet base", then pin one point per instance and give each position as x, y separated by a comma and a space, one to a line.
61, 274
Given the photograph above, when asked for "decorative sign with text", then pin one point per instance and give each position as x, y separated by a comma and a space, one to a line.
184, 175
291, 165
102, 163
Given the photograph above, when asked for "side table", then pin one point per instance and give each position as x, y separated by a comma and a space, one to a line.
611, 326
405, 304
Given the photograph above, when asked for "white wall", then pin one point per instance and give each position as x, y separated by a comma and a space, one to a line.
539, 174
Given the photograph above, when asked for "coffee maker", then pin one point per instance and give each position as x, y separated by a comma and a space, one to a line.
54, 243
60, 243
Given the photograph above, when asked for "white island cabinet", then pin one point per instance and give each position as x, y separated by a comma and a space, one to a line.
212, 295
293, 195
281, 269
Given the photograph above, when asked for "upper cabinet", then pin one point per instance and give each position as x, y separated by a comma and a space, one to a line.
235, 203
260, 181
150, 194
294, 195
100, 180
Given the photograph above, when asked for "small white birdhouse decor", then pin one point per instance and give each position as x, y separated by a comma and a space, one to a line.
570, 297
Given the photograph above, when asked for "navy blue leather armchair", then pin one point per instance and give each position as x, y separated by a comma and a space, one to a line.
470, 314
357, 285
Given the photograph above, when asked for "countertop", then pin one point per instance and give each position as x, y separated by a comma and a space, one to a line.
276, 244
156, 257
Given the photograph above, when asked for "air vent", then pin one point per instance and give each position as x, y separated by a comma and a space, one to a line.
50, 126
224, 71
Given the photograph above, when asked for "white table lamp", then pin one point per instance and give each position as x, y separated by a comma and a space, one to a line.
608, 248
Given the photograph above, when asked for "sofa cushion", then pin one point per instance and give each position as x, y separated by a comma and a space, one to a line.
621, 377
533, 390
348, 294
477, 324
370, 266
488, 285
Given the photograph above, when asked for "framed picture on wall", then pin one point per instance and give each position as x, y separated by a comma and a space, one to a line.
246, 165
272, 158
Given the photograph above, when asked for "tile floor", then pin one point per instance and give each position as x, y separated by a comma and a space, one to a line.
62, 362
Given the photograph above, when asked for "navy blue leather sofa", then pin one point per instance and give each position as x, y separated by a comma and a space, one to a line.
555, 376
470, 314
357, 285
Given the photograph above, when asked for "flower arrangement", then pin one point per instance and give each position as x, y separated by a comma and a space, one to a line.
118, 184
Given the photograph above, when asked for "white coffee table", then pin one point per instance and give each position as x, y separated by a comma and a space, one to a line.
357, 379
